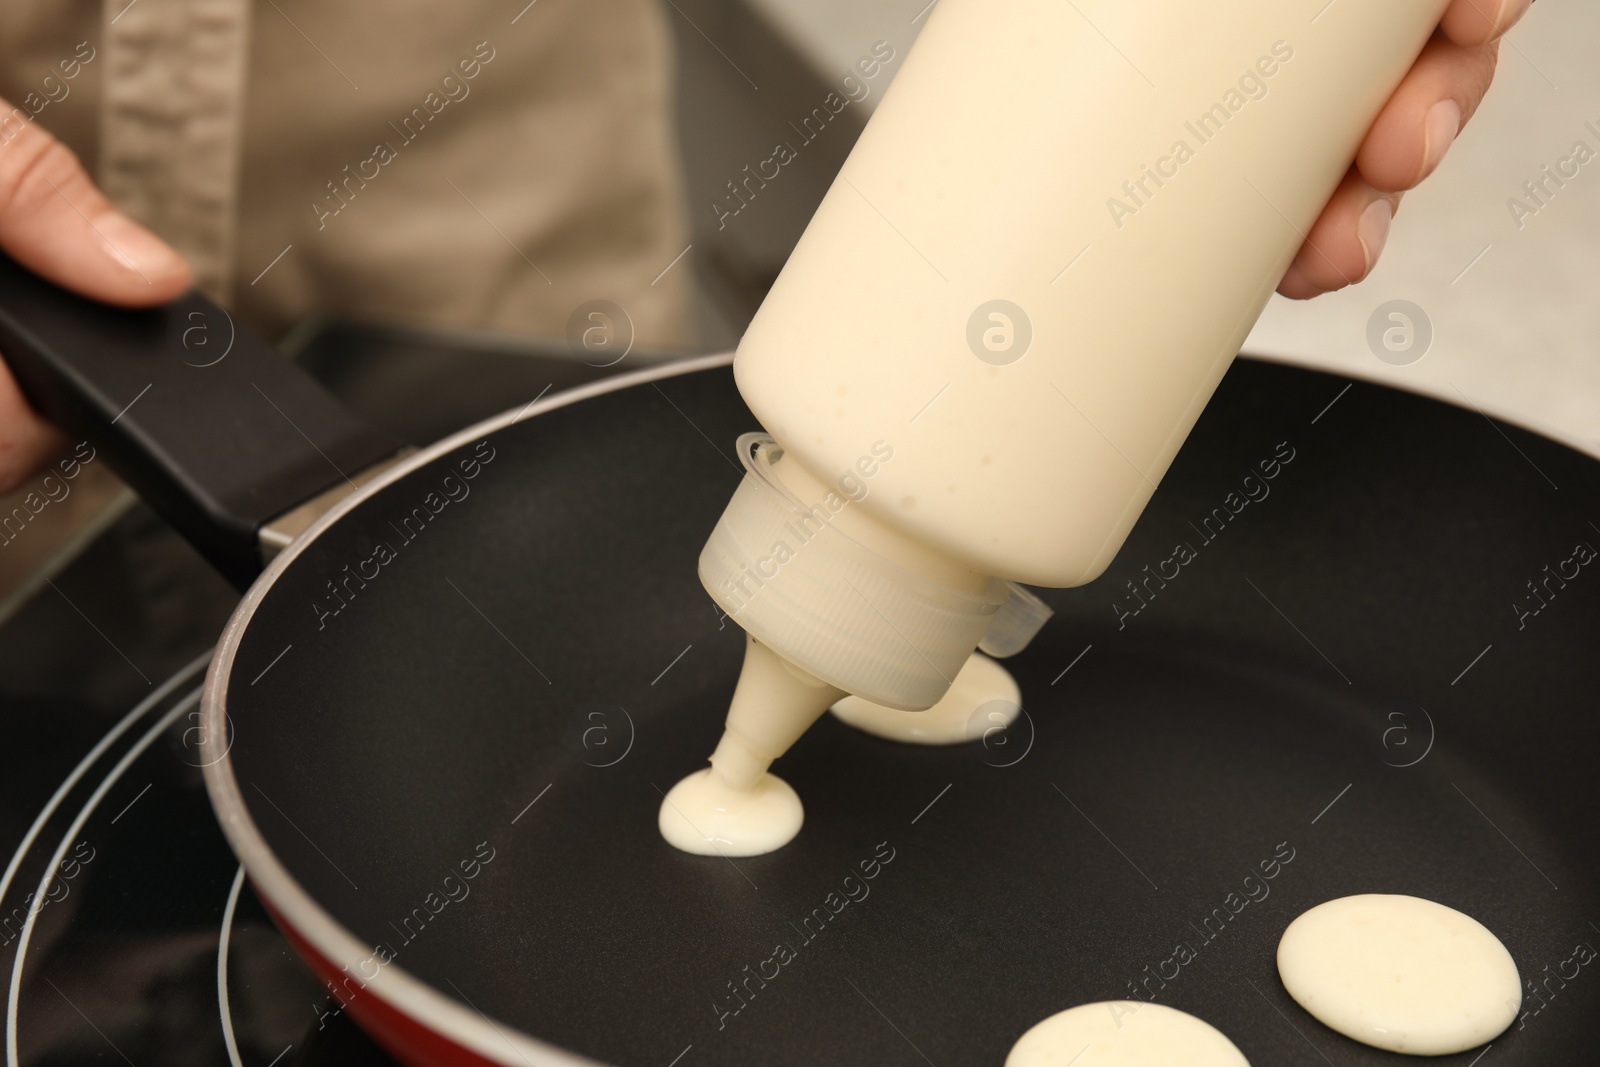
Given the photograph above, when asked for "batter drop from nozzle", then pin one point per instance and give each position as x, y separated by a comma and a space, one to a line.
736, 807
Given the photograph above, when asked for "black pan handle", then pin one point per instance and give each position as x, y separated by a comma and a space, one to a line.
215, 429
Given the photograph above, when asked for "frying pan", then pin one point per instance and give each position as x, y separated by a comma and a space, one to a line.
441, 720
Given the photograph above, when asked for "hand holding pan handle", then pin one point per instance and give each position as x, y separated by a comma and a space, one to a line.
211, 425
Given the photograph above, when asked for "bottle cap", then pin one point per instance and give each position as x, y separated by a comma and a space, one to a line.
1019, 619
785, 572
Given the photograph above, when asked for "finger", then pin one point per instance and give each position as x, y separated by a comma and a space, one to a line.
26, 441
55, 222
1423, 116
1344, 242
1469, 22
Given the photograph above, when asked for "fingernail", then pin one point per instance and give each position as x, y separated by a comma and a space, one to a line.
1439, 129
1373, 230
137, 248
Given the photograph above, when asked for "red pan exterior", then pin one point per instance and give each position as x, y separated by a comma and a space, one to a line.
403, 1037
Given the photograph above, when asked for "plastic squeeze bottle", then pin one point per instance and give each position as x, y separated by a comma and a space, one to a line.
1000, 325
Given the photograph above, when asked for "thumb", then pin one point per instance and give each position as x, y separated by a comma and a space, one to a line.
54, 221
26, 441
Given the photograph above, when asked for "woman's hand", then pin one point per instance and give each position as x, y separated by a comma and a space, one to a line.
55, 222
1407, 140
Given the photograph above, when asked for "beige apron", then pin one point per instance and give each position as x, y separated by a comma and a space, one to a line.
449, 163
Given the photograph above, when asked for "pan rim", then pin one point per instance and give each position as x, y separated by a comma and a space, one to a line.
418, 1001
495, 1042
1492, 409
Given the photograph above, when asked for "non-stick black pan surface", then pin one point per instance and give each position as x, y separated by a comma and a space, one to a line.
1346, 680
